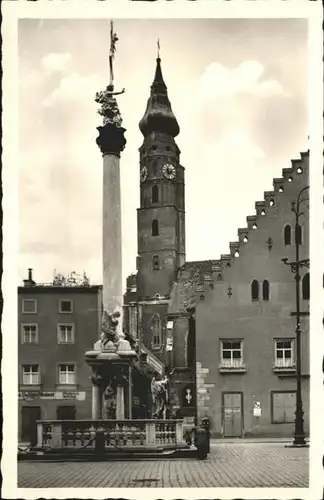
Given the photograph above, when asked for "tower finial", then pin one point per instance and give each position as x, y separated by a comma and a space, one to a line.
113, 40
158, 48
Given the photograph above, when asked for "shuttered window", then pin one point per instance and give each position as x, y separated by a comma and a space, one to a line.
283, 407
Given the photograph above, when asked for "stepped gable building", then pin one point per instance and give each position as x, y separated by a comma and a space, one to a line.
224, 328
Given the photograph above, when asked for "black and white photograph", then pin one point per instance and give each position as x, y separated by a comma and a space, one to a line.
162, 327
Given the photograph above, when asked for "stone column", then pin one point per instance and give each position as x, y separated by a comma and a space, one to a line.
96, 402
120, 403
112, 236
130, 392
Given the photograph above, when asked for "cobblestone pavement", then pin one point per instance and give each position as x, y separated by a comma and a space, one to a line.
228, 465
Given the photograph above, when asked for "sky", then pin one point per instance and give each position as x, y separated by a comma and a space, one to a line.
238, 88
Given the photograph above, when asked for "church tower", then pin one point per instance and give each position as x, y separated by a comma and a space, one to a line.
161, 216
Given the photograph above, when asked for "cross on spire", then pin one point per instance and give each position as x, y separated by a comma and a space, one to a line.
158, 48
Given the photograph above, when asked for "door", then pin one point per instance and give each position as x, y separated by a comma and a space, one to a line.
65, 413
30, 414
232, 416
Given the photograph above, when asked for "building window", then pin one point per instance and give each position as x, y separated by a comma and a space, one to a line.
67, 374
287, 235
29, 306
29, 333
65, 333
30, 375
298, 234
156, 328
231, 353
255, 290
65, 306
155, 194
265, 290
156, 262
284, 353
155, 227
283, 406
305, 287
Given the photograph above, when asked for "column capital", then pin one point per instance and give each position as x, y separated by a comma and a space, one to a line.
111, 139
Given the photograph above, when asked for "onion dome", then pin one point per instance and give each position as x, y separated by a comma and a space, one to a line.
158, 116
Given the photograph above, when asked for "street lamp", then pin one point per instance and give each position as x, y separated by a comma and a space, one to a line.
299, 436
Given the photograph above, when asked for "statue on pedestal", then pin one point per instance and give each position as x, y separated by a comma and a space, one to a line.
109, 328
159, 390
110, 403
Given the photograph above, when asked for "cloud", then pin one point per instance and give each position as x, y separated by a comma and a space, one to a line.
55, 61
219, 82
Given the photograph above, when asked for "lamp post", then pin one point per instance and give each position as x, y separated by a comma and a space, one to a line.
299, 435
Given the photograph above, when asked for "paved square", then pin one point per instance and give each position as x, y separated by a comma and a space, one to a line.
229, 465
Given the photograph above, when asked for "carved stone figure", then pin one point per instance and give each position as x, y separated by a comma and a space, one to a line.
109, 328
109, 402
159, 390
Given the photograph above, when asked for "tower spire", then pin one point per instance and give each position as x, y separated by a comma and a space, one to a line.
159, 116
158, 48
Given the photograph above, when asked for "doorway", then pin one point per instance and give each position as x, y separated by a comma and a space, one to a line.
232, 414
65, 413
29, 416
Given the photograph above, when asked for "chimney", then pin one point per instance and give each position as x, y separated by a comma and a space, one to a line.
29, 281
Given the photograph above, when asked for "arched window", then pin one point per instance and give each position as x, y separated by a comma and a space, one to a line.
305, 287
156, 328
287, 235
265, 290
298, 234
191, 347
255, 290
155, 227
155, 194
156, 262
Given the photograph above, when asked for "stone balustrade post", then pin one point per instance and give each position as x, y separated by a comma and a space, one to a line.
179, 433
150, 433
56, 441
39, 435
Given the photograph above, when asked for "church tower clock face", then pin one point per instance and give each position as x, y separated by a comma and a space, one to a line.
143, 174
169, 171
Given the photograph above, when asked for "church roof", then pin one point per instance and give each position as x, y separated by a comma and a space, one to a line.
189, 276
159, 116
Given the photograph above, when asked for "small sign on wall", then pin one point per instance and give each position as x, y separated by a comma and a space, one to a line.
257, 409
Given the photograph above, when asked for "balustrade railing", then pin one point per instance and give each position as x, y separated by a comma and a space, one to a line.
78, 434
